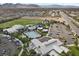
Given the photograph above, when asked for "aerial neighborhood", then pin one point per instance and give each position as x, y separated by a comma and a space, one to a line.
39, 31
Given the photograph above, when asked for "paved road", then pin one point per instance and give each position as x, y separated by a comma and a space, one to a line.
21, 49
21, 52
68, 19
8, 45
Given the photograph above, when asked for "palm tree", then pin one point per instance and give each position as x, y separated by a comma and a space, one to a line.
63, 53
69, 53
64, 39
0, 41
76, 41
65, 42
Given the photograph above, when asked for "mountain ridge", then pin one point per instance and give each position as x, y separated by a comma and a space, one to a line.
19, 5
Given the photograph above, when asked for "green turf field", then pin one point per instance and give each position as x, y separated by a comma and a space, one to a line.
20, 21
74, 51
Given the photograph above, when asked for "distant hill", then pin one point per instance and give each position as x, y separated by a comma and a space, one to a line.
59, 6
19, 5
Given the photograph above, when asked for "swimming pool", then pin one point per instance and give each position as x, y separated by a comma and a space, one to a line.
32, 34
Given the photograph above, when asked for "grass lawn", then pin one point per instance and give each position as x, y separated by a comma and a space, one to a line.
19, 36
74, 51
20, 21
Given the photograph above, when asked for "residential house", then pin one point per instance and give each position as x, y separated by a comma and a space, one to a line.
13, 29
48, 46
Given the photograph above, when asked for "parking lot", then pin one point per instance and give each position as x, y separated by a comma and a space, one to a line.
62, 32
7, 46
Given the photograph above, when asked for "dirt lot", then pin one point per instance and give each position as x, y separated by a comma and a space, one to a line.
48, 18
60, 31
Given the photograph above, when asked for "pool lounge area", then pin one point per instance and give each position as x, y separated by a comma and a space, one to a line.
32, 34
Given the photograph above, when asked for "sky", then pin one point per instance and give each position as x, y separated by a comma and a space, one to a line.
69, 2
